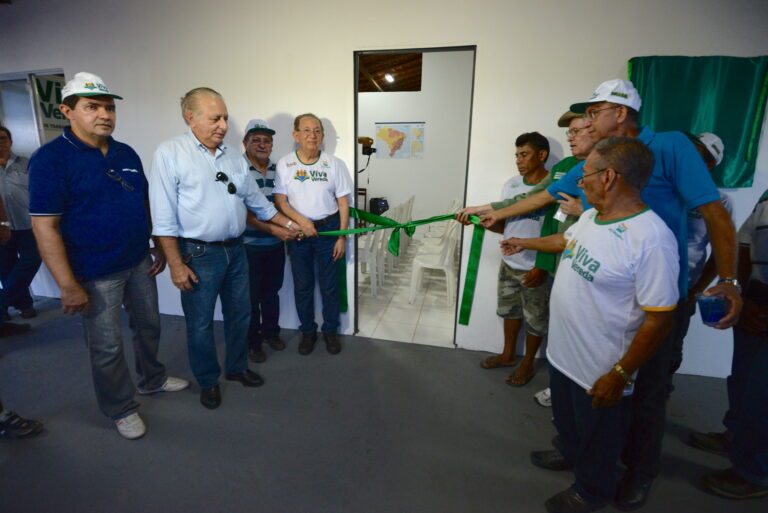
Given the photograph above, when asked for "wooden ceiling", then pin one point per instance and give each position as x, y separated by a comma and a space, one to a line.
405, 68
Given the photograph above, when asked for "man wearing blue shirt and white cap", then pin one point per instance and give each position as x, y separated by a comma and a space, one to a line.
200, 190
88, 202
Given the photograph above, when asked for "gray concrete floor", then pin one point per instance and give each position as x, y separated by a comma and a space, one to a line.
383, 427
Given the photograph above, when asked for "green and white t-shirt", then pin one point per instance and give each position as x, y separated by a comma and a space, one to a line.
609, 275
524, 226
312, 189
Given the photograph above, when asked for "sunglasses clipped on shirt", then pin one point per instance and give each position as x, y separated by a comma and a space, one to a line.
114, 175
222, 177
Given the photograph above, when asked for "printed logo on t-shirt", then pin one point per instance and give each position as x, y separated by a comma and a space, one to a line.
619, 230
583, 264
325, 164
313, 175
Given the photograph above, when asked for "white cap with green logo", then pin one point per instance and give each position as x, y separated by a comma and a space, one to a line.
86, 84
714, 146
617, 91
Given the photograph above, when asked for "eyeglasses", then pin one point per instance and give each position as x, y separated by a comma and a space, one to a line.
573, 132
593, 113
222, 177
114, 175
580, 181
307, 132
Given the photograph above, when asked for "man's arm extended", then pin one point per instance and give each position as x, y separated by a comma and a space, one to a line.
529, 204
608, 388
554, 243
279, 231
722, 236
74, 299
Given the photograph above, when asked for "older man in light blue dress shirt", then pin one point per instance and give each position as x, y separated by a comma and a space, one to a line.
199, 190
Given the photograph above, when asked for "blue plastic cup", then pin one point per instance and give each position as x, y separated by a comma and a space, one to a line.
712, 308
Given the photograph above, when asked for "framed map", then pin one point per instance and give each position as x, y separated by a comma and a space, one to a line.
400, 140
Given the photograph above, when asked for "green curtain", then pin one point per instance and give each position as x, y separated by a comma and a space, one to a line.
723, 95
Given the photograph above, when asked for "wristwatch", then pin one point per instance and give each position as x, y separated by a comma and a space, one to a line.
7, 224
732, 281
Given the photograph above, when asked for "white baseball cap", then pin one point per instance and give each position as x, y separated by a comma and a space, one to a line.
86, 84
258, 125
714, 146
618, 91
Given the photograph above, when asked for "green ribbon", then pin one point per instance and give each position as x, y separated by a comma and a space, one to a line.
383, 223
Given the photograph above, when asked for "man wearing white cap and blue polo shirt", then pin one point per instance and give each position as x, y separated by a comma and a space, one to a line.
264, 247
679, 182
199, 191
88, 202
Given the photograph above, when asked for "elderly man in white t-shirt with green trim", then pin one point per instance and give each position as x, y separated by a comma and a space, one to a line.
611, 303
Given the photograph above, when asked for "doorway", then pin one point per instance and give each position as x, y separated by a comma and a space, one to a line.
415, 106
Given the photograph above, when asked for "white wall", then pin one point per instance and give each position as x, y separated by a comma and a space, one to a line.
270, 59
443, 103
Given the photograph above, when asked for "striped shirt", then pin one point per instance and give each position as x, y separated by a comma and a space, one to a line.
253, 236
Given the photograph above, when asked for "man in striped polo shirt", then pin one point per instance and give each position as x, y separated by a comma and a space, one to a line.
264, 247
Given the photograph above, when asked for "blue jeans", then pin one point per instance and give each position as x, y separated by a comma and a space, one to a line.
222, 271
137, 291
305, 256
266, 266
590, 438
19, 262
747, 416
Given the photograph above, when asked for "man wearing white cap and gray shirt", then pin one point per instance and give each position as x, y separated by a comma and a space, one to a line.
199, 191
88, 202
264, 247
679, 182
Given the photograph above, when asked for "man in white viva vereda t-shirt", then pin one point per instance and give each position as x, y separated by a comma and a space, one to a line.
614, 291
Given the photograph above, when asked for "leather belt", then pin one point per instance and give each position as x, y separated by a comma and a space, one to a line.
228, 242
328, 219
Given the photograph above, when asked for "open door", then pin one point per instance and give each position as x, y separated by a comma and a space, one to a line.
416, 106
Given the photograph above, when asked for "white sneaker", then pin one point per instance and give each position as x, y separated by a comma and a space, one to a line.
543, 398
170, 384
131, 427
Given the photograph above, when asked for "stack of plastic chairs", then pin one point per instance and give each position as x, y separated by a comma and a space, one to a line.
440, 256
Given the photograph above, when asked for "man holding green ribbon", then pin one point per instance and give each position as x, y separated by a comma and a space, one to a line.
312, 188
522, 291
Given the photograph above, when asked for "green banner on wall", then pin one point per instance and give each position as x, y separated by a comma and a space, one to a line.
722, 95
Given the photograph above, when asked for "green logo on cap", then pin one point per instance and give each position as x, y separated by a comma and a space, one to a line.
623, 95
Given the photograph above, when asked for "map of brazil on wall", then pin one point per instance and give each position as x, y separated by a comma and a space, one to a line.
400, 140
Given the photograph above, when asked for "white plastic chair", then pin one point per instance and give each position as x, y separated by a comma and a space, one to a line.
370, 260
443, 260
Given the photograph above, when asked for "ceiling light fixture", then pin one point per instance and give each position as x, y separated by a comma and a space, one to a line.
389, 78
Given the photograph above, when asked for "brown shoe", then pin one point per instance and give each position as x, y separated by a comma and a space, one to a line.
729, 483
716, 443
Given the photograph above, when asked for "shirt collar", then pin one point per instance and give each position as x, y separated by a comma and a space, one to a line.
251, 167
646, 135
80, 145
220, 149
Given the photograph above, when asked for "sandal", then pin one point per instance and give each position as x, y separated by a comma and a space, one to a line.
493, 362
520, 381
